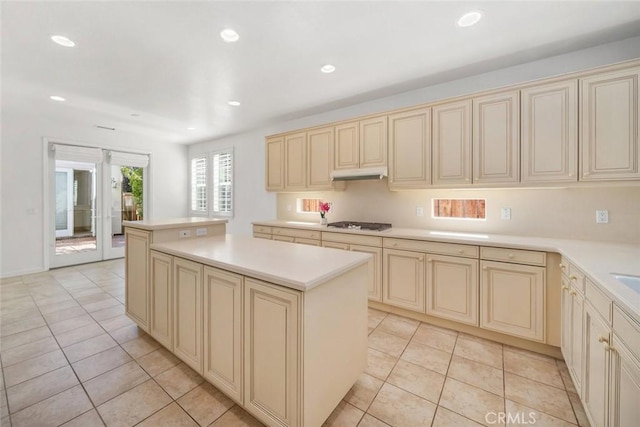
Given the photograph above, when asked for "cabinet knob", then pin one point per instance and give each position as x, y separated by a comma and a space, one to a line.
460, 251
564, 288
420, 258
510, 256
605, 343
573, 278
562, 266
429, 260
394, 244
570, 174
484, 268
573, 293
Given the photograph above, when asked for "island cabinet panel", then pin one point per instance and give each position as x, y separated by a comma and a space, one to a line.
187, 312
452, 288
609, 126
496, 138
295, 155
373, 142
596, 353
272, 350
403, 282
161, 299
452, 144
410, 149
223, 293
512, 299
550, 132
320, 158
274, 153
137, 276
347, 152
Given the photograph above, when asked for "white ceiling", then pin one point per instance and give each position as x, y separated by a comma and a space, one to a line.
166, 61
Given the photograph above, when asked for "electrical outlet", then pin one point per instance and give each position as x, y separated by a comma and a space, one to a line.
602, 216
505, 213
419, 211
184, 233
201, 231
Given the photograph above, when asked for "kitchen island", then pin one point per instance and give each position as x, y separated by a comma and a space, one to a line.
279, 328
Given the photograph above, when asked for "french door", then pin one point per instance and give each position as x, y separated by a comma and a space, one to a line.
91, 191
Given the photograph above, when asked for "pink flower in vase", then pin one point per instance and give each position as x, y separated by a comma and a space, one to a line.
324, 208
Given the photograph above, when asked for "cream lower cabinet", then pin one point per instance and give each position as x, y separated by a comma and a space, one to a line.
452, 288
596, 352
624, 407
187, 312
272, 350
375, 268
571, 334
161, 299
137, 276
512, 299
223, 331
403, 279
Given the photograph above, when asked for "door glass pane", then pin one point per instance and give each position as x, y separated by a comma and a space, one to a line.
126, 200
76, 200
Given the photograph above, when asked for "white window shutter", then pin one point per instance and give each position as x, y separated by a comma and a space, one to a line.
199, 184
77, 154
129, 159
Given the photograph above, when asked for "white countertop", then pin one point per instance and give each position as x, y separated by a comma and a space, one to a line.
300, 267
597, 260
165, 223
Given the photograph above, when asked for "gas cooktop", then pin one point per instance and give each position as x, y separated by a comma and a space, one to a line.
353, 225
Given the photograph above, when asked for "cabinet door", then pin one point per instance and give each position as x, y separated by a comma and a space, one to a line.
223, 331
187, 312
320, 158
452, 144
403, 281
496, 142
347, 152
410, 149
512, 299
161, 299
373, 142
274, 154
272, 350
137, 276
295, 155
609, 126
624, 409
596, 368
550, 132
375, 287
452, 288
577, 336
565, 320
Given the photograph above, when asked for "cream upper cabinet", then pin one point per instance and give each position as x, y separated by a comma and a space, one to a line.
452, 144
375, 286
137, 274
496, 138
187, 312
295, 154
347, 150
373, 142
161, 299
223, 293
274, 154
595, 385
272, 351
550, 132
609, 126
319, 158
452, 288
410, 149
403, 280
512, 299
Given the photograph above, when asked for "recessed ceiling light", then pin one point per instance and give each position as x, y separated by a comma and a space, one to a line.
57, 98
234, 103
328, 68
469, 19
229, 35
63, 41
191, 128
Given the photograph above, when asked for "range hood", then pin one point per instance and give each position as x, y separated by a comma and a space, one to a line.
357, 174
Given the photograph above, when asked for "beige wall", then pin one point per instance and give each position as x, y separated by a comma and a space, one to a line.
545, 212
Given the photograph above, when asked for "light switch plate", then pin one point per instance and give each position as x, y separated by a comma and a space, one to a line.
201, 231
419, 211
505, 213
602, 216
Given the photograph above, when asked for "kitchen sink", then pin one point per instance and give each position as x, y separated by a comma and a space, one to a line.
632, 282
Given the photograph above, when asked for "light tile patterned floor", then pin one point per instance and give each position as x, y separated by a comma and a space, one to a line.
71, 357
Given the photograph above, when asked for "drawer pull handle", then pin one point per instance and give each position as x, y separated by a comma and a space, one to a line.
562, 266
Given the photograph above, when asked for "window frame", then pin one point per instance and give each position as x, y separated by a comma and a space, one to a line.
209, 212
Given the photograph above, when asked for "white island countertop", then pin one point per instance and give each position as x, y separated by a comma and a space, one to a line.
300, 267
596, 259
166, 223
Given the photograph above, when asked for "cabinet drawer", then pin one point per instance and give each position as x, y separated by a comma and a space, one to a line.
262, 236
514, 255
598, 300
432, 247
296, 232
262, 229
335, 245
312, 242
627, 329
352, 239
283, 238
